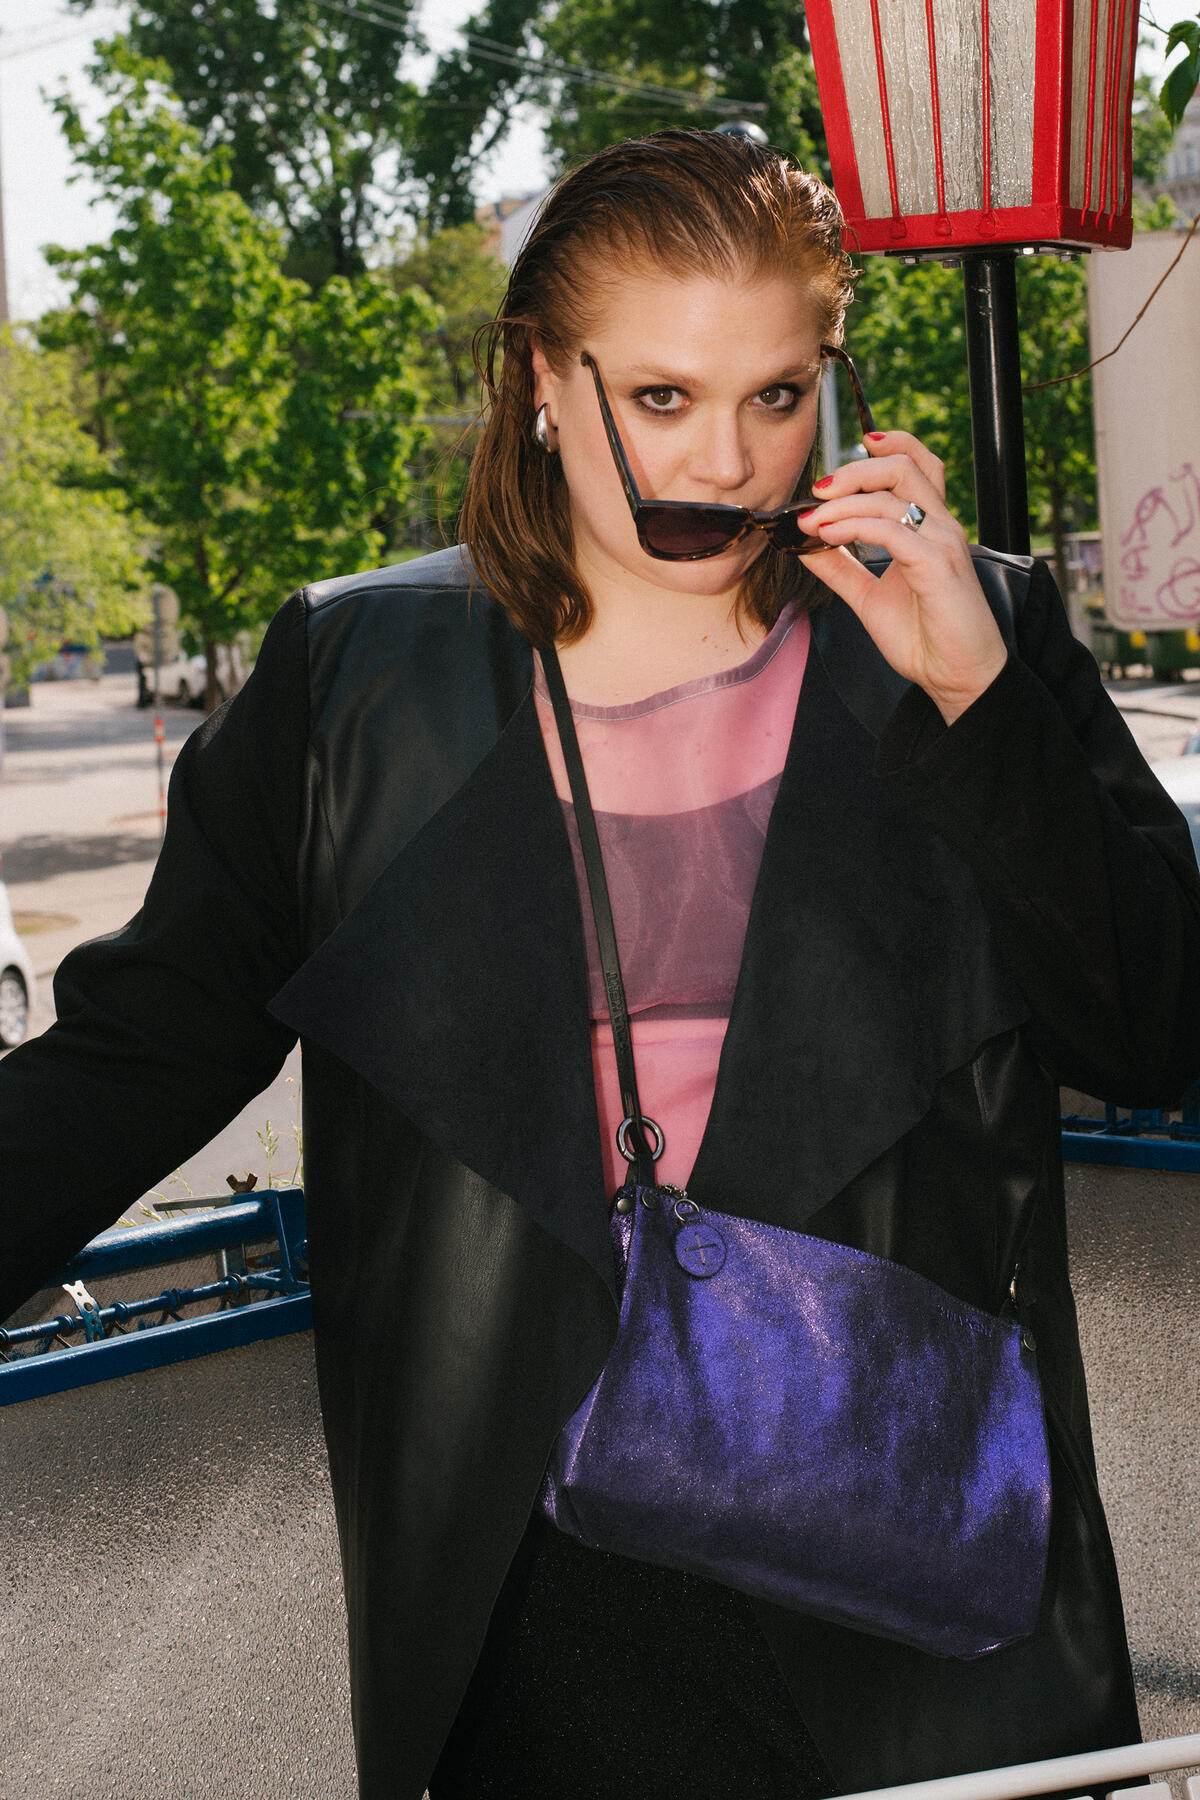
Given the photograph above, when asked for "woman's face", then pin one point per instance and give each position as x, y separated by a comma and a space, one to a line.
713, 383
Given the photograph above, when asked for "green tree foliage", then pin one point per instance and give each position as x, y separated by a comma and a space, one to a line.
1183, 77
1154, 215
460, 273
752, 51
1060, 447
906, 330
325, 132
69, 553
261, 430
469, 105
1152, 131
700, 57
308, 99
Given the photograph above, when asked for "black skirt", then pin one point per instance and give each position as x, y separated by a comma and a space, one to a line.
602, 1678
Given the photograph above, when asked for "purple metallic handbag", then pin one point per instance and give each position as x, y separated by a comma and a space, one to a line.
809, 1423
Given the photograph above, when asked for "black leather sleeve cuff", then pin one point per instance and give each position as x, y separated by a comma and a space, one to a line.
917, 731
1007, 786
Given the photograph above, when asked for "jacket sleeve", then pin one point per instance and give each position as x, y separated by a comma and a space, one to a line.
162, 1033
1084, 863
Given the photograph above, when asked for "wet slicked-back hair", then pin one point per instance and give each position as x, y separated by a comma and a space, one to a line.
681, 203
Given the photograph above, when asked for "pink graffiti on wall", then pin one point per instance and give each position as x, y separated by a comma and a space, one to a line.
1160, 554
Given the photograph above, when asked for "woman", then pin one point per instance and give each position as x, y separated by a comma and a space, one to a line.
970, 890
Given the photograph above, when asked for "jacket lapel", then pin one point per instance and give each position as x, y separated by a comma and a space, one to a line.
457, 987
869, 969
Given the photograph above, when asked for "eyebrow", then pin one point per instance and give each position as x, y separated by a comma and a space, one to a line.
647, 375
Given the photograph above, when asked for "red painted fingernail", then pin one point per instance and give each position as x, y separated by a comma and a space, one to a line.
803, 518
824, 481
876, 434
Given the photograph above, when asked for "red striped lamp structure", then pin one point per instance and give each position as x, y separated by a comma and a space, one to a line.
978, 122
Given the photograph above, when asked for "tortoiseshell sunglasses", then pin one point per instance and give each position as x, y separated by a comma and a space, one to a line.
689, 530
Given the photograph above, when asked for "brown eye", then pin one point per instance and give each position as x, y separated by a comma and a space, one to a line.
779, 398
659, 399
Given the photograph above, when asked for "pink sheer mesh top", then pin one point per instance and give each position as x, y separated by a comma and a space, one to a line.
682, 785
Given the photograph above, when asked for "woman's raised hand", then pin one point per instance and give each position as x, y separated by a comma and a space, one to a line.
926, 613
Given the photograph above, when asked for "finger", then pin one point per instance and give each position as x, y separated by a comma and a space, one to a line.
922, 551
883, 504
899, 473
841, 573
924, 564
845, 576
903, 443
928, 569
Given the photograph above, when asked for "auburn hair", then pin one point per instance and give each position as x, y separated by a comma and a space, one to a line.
684, 202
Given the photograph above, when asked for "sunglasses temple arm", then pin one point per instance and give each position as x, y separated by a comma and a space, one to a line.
866, 417
614, 441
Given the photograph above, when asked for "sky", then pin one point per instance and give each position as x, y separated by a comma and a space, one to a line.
43, 47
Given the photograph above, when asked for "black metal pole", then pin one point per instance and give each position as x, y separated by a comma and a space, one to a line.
997, 421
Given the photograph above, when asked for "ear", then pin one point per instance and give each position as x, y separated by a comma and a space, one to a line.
545, 383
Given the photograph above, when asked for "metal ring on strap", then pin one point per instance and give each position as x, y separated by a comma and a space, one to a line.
623, 1144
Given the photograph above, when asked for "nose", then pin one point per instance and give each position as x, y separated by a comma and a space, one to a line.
721, 458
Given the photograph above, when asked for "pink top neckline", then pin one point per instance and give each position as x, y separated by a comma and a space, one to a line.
693, 745
682, 784
755, 663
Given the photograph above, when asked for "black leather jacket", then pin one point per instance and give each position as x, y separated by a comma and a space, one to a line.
365, 847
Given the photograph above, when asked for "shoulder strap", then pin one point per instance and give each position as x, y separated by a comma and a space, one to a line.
633, 1138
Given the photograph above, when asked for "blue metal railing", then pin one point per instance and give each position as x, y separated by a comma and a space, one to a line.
121, 1336
272, 1297
1144, 1138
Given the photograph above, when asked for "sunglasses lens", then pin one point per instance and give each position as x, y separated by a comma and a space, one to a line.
679, 535
787, 533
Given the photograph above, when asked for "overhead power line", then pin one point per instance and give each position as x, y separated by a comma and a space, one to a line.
85, 28
489, 48
484, 49
65, 37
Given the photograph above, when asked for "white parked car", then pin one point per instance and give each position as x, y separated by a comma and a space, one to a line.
181, 680
1180, 775
16, 978
185, 678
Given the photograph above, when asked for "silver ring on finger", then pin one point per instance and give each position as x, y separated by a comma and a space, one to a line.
914, 516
